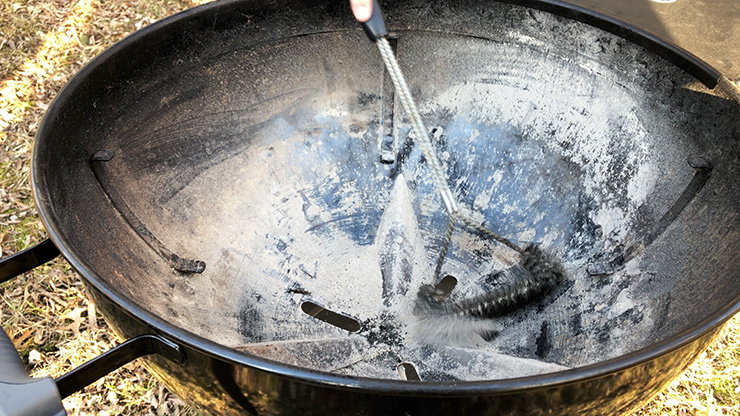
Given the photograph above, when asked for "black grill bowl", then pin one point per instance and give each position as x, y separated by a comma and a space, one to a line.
248, 136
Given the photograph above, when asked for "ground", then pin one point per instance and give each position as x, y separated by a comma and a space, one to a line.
45, 312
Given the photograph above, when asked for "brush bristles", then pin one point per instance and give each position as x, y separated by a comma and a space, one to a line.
453, 330
542, 266
536, 274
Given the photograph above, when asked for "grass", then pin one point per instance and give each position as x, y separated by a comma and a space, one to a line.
45, 312
44, 42
711, 386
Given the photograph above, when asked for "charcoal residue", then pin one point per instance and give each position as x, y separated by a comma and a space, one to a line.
251, 324
382, 330
543, 341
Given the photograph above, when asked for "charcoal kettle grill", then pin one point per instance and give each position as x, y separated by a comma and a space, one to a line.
240, 191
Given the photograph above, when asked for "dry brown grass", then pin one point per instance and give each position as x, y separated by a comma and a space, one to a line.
55, 328
711, 386
44, 42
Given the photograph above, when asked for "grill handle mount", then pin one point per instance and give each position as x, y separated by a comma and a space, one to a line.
21, 395
27, 259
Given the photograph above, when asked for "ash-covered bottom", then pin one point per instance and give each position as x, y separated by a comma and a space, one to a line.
365, 321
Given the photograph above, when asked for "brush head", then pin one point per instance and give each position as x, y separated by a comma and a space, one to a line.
468, 320
429, 301
542, 266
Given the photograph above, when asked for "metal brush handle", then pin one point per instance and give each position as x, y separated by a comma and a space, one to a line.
417, 124
376, 30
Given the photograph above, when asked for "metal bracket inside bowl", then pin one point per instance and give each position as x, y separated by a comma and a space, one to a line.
176, 262
703, 171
